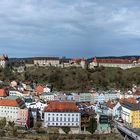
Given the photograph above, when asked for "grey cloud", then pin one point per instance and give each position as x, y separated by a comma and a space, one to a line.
71, 28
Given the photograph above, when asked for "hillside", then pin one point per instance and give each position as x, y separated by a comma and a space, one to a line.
77, 79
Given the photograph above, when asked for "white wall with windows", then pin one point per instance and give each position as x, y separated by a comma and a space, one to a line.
69, 119
125, 114
9, 112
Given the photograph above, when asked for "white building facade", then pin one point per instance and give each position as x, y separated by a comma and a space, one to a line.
62, 114
62, 119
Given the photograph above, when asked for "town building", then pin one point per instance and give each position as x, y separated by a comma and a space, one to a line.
3, 93
47, 61
130, 114
23, 118
108, 62
10, 107
14, 92
40, 105
100, 98
62, 114
103, 124
85, 97
47, 96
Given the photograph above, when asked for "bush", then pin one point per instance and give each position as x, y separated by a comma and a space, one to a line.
66, 129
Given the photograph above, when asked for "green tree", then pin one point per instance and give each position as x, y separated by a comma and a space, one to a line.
66, 129
2, 123
92, 126
12, 128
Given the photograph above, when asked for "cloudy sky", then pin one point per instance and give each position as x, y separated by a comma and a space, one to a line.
72, 28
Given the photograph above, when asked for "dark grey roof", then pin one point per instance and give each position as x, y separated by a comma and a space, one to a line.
131, 106
46, 58
28, 100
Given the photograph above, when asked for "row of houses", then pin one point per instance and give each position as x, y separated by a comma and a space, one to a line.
25, 105
44, 93
124, 110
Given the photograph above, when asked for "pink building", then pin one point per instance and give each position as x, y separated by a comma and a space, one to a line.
23, 118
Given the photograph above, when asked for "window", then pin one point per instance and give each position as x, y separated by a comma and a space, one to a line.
72, 119
69, 119
61, 119
56, 118
48, 118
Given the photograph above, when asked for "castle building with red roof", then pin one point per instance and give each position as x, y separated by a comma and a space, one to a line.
62, 114
113, 62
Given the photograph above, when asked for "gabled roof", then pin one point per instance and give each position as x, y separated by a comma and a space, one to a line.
57, 106
39, 89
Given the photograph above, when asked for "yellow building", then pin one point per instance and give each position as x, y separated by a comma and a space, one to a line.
131, 114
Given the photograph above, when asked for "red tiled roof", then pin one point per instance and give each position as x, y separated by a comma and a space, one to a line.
116, 61
110, 104
39, 89
2, 93
8, 102
128, 100
56, 106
